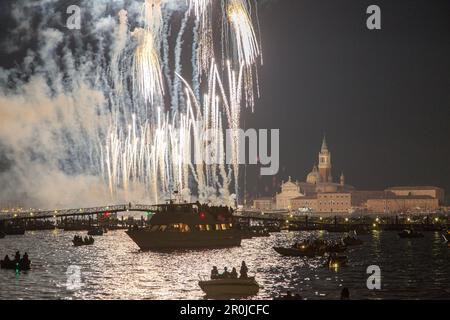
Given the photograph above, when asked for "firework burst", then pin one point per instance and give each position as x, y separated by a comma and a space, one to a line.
147, 68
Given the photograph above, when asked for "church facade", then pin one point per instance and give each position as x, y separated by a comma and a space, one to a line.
319, 180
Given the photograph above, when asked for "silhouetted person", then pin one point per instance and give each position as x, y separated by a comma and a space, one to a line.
298, 297
225, 273
17, 256
7, 260
214, 273
244, 270
288, 295
25, 258
233, 274
345, 294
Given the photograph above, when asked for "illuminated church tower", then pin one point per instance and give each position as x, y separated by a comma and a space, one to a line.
325, 163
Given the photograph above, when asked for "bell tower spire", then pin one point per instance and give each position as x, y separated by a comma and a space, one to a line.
325, 162
324, 144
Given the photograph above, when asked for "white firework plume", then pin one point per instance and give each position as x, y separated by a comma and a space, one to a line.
204, 33
245, 37
247, 50
147, 67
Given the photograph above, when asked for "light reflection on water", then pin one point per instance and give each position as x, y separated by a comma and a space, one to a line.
114, 268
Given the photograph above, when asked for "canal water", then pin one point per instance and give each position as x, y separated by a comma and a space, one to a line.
114, 268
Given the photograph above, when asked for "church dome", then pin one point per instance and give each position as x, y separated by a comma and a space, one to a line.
314, 176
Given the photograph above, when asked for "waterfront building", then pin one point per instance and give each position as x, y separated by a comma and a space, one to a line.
289, 190
433, 192
319, 193
318, 181
403, 204
264, 203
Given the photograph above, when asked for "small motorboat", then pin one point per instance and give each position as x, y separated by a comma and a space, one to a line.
336, 247
230, 287
299, 251
408, 233
14, 230
352, 240
81, 242
95, 232
335, 261
13, 265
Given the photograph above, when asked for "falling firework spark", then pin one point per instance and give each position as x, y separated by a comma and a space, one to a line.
147, 66
247, 44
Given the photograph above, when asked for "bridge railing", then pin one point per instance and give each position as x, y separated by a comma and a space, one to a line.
21, 214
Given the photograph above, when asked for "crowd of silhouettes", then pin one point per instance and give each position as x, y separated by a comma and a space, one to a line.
216, 211
230, 275
80, 239
21, 263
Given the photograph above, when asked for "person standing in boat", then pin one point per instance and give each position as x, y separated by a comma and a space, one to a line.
6, 262
214, 273
233, 273
225, 274
17, 257
244, 270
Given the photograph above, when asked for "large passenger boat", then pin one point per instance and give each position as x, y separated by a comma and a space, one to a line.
186, 226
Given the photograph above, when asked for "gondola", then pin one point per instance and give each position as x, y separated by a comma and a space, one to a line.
335, 261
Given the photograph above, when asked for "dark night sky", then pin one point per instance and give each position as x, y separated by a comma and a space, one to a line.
382, 97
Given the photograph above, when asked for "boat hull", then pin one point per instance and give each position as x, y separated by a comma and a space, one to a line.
147, 240
293, 252
15, 231
230, 287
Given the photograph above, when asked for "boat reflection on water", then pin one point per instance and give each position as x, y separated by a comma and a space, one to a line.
187, 226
